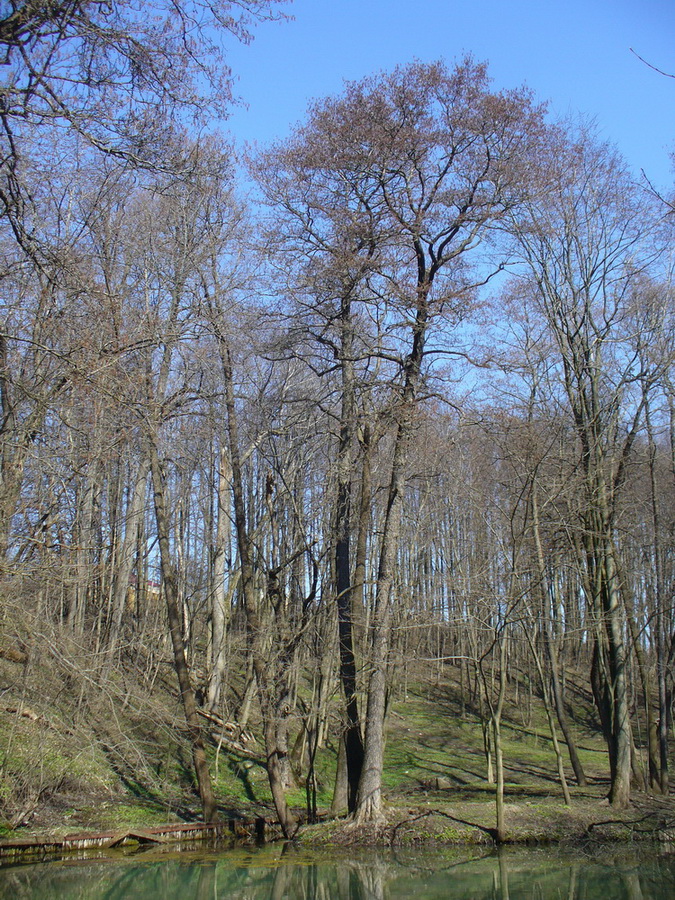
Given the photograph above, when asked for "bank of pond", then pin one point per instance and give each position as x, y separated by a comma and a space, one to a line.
284, 871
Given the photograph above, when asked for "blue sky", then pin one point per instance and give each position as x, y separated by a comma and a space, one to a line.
574, 53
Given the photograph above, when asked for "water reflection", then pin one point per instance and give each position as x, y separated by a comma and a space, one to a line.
273, 874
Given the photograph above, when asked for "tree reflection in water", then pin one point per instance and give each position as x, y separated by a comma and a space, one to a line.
268, 875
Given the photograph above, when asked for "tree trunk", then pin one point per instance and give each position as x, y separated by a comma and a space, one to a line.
620, 790
608, 671
659, 597
255, 632
220, 596
125, 563
551, 650
187, 694
343, 584
340, 801
369, 798
647, 690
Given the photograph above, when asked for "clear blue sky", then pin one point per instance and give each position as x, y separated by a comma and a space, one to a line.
574, 53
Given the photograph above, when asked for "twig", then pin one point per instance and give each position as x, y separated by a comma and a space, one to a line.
649, 65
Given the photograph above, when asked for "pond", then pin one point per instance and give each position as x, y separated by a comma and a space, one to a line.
276, 872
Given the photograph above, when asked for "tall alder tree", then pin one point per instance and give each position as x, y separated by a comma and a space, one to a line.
419, 164
587, 237
251, 409
327, 265
173, 254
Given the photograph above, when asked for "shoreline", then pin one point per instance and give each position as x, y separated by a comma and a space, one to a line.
649, 820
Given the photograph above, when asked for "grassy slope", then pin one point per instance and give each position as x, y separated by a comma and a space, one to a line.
74, 758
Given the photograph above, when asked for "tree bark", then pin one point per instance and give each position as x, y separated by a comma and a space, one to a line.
274, 753
125, 562
551, 650
353, 741
369, 797
659, 597
219, 593
187, 693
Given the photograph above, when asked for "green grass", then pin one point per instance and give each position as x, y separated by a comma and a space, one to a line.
132, 764
241, 782
430, 742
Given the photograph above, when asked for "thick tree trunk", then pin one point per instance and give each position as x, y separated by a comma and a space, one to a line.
219, 592
369, 797
621, 732
343, 584
340, 801
360, 591
647, 690
659, 597
352, 733
276, 750
608, 671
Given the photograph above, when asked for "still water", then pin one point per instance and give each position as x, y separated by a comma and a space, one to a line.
275, 874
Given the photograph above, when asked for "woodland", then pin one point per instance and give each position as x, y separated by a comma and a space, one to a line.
396, 388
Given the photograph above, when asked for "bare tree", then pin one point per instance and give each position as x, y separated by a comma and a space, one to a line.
120, 75
585, 244
418, 163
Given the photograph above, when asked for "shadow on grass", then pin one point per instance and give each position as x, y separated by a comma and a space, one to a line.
240, 768
143, 792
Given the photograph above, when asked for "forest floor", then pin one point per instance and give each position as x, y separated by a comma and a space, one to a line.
529, 818
111, 765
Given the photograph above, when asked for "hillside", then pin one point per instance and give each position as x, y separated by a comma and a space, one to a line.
74, 757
